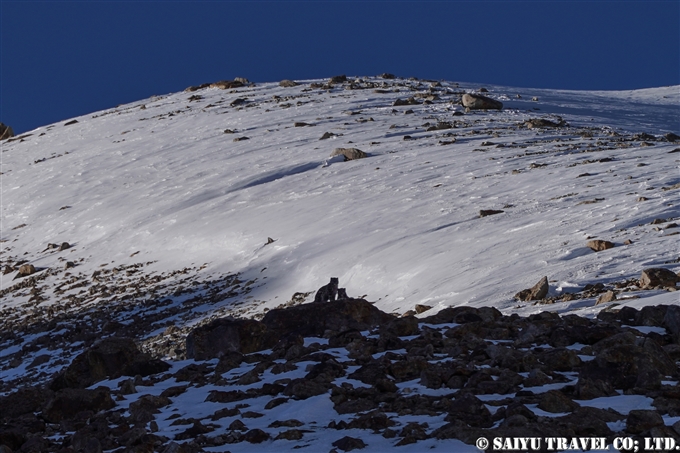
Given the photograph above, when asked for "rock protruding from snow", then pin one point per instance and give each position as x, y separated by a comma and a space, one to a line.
325, 319
349, 153
227, 84
5, 131
337, 79
321, 319
479, 102
608, 296
537, 292
658, 277
598, 245
288, 83
25, 270
535, 123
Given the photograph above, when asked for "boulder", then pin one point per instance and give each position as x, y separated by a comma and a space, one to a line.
110, 358
256, 436
488, 212
23, 401
349, 153
658, 276
640, 421
338, 79
421, 308
535, 123
471, 410
555, 401
69, 402
5, 131
537, 292
409, 101
227, 84
479, 102
316, 318
671, 321
25, 270
197, 87
287, 83
349, 443
609, 296
227, 335
303, 388
597, 245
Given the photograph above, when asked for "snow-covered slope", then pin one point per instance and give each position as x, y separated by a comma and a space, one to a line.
161, 179
182, 208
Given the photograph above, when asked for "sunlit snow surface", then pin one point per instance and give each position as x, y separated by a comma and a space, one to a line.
160, 182
400, 227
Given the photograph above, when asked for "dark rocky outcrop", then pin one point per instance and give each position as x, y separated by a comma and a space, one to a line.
66, 403
229, 335
337, 79
110, 358
323, 319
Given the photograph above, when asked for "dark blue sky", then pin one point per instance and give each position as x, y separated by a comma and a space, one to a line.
62, 59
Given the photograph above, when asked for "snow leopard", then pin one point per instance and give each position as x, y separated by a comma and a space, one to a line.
327, 293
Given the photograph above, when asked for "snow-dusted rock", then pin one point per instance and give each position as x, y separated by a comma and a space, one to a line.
478, 102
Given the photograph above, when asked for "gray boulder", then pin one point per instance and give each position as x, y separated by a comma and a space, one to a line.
349, 153
479, 102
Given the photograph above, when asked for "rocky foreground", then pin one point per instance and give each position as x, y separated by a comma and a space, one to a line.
460, 374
